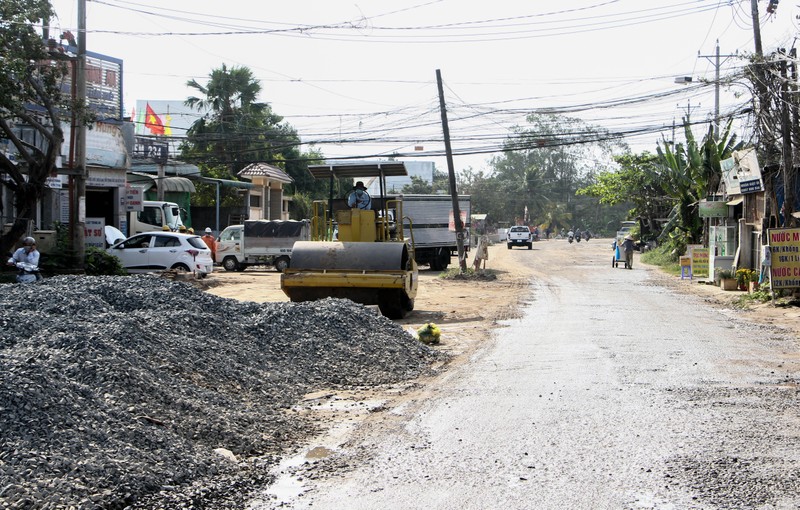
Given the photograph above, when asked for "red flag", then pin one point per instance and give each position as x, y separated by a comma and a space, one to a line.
153, 121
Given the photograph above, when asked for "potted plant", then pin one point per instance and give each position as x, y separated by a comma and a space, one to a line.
753, 283
727, 279
743, 277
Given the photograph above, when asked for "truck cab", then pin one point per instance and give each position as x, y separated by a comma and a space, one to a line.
155, 215
519, 235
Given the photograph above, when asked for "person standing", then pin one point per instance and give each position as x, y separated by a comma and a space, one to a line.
211, 242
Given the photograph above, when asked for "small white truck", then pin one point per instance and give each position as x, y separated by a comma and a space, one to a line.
519, 235
260, 242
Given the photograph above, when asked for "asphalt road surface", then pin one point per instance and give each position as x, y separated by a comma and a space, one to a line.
612, 391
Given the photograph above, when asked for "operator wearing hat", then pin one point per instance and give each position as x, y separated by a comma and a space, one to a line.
359, 198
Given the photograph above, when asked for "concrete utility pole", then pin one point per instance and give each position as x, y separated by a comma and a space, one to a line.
78, 205
462, 258
717, 65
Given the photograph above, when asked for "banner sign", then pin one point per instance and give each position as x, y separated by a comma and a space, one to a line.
785, 249
709, 209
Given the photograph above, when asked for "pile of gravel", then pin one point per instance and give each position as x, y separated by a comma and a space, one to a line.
115, 391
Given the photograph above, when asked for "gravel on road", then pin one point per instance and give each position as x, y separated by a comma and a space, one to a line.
141, 392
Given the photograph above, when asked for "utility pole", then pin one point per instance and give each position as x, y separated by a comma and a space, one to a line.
717, 65
78, 205
459, 225
786, 135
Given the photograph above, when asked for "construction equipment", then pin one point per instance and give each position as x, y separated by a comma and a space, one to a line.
358, 254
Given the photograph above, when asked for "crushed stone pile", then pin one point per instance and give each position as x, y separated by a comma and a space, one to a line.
115, 391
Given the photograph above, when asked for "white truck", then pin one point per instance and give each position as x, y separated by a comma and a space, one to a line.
434, 232
154, 216
519, 235
260, 242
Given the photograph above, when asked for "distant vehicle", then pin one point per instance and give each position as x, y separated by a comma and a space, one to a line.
260, 242
519, 236
158, 251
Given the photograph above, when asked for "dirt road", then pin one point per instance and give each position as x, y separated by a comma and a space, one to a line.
609, 390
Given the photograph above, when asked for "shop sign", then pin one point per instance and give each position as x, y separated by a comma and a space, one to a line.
700, 262
713, 209
785, 250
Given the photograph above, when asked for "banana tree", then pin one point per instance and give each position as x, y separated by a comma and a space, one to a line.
688, 173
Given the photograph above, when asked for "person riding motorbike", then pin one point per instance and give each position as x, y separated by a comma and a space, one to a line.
26, 259
570, 236
578, 235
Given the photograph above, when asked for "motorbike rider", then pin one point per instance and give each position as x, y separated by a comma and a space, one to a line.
26, 254
578, 234
570, 235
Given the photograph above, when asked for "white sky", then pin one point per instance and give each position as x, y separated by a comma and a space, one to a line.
365, 71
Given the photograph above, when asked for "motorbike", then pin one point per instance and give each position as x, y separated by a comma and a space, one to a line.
570, 236
578, 237
28, 273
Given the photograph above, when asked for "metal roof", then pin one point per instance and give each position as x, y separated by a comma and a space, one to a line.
265, 170
353, 170
180, 184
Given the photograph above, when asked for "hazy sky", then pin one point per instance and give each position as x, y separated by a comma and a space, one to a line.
359, 78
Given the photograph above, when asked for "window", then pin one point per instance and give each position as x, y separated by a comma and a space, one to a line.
255, 200
166, 242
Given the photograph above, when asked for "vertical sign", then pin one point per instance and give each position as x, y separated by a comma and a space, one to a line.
785, 248
700, 262
95, 232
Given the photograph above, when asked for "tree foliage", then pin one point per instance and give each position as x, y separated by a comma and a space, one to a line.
237, 130
543, 165
30, 110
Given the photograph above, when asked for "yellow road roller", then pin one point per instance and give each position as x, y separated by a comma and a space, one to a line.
357, 249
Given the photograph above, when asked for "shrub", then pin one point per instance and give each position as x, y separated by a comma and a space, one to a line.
99, 262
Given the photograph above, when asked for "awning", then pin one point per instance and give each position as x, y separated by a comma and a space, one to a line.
735, 201
227, 182
171, 184
353, 170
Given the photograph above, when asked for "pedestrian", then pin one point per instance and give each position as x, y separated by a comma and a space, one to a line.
182, 229
627, 247
211, 242
27, 253
547, 232
359, 198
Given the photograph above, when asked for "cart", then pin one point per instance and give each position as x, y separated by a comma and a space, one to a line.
618, 257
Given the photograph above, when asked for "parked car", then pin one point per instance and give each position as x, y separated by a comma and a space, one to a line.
159, 251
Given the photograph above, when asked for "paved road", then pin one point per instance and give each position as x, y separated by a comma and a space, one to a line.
611, 392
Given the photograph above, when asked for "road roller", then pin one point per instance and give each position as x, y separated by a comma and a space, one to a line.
357, 249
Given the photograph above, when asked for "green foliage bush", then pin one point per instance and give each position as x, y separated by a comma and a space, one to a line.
98, 262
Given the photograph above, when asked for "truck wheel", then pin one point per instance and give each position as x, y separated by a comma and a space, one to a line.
509, 246
530, 246
230, 264
281, 264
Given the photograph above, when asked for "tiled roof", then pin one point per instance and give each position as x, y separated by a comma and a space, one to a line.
265, 170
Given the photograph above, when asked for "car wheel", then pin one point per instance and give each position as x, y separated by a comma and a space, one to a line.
181, 268
281, 264
230, 264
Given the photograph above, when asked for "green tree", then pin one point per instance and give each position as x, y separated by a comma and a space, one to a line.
543, 164
29, 96
237, 130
